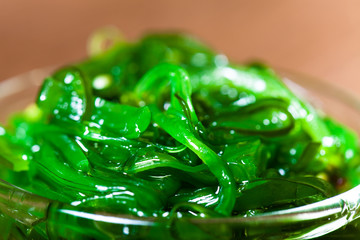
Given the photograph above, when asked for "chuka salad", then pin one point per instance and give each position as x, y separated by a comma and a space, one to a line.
167, 127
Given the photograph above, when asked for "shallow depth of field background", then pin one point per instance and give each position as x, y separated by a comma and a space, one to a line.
320, 38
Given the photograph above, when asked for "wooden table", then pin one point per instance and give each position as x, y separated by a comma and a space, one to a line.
320, 38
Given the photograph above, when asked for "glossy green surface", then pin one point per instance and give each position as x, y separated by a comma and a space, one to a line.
167, 128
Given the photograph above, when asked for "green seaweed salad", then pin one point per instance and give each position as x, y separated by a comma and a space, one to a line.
166, 127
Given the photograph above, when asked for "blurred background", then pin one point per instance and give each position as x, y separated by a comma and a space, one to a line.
320, 38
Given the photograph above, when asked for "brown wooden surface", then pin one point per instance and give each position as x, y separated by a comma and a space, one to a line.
317, 37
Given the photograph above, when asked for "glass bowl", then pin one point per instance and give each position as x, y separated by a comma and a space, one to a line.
28, 216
